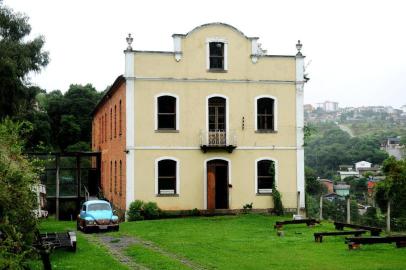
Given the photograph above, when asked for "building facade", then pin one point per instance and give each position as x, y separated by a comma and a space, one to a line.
214, 124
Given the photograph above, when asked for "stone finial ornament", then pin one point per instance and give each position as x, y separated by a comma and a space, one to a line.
129, 40
299, 47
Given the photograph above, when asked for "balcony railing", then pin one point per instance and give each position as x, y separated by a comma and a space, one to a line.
218, 139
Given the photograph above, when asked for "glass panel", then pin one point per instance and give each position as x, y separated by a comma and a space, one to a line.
50, 182
167, 183
166, 121
166, 104
216, 49
265, 106
67, 162
264, 168
86, 162
265, 183
67, 183
167, 168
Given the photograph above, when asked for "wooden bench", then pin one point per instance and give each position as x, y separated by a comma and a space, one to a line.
374, 230
318, 237
308, 222
355, 242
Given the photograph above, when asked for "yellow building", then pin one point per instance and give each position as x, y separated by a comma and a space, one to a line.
215, 124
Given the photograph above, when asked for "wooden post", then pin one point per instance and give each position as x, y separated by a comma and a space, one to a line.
388, 217
348, 210
298, 203
57, 187
321, 207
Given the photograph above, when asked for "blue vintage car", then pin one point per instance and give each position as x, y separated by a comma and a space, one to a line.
97, 214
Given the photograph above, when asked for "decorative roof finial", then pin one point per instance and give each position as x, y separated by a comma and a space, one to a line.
299, 47
129, 40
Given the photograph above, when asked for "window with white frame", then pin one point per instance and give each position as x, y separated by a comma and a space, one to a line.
166, 118
265, 176
167, 177
216, 49
216, 55
265, 114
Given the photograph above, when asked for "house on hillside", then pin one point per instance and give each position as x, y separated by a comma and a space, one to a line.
214, 124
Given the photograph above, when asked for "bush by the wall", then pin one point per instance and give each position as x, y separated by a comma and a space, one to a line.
135, 211
151, 210
277, 202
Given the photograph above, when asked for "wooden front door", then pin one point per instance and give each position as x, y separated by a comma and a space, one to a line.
217, 184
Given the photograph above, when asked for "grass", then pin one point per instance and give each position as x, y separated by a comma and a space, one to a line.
231, 242
87, 255
152, 259
250, 242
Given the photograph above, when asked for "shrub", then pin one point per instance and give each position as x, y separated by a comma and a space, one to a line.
247, 208
135, 211
18, 176
151, 210
277, 202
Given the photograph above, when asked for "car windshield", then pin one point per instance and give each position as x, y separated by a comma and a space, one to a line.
98, 207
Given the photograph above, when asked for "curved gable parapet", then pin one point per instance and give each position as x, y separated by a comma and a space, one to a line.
214, 24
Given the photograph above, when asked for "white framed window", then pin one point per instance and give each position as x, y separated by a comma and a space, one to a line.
216, 54
266, 113
266, 175
166, 112
167, 176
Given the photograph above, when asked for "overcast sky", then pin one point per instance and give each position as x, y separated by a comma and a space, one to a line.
355, 50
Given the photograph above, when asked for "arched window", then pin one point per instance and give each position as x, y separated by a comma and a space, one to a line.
115, 121
167, 176
115, 177
265, 114
111, 123
111, 176
121, 177
119, 118
166, 113
265, 175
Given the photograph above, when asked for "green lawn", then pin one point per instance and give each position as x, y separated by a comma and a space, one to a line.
87, 255
250, 242
231, 242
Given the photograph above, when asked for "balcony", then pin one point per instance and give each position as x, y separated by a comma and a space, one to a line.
218, 140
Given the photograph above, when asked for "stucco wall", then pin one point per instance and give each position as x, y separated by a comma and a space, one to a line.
192, 178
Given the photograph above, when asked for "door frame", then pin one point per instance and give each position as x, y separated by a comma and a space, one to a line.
227, 118
205, 180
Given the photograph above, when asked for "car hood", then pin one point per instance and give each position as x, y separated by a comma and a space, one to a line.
100, 214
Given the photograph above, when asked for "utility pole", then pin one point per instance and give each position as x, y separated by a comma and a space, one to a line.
321, 207
388, 217
348, 210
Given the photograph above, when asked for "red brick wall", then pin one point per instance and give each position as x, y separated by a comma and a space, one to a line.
108, 137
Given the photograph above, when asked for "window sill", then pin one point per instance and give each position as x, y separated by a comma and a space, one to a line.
166, 131
167, 195
264, 194
217, 70
265, 131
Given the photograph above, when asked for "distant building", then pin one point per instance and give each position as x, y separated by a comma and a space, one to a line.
393, 147
362, 165
328, 184
403, 108
328, 106
308, 108
342, 189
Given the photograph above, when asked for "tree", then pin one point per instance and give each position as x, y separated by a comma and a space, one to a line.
18, 57
18, 176
393, 188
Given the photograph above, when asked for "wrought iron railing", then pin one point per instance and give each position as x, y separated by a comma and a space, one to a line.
218, 138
